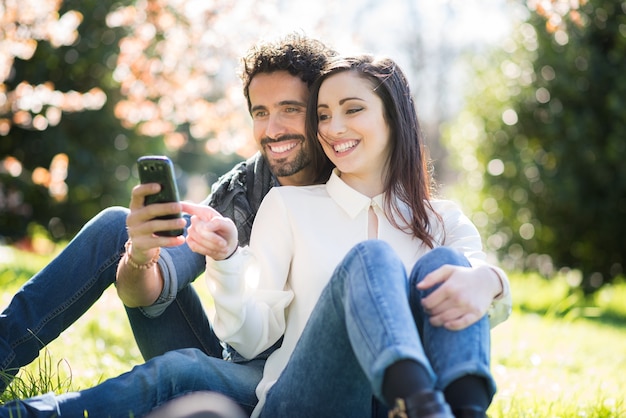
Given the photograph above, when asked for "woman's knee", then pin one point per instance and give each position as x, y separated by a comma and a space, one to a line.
367, 261
370, 254
374, 251
372, 245
446, 255
436, 258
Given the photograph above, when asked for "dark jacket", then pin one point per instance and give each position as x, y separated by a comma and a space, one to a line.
238, 194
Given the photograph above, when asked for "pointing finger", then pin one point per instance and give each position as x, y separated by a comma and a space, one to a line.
205, 213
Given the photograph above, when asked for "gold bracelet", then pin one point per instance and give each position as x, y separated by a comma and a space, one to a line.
133, 264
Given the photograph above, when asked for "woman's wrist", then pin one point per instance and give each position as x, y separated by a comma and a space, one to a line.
232, 252
500, 283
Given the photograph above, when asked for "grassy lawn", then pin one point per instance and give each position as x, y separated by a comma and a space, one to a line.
559, 355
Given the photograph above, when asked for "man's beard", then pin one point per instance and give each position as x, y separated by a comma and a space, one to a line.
288, 166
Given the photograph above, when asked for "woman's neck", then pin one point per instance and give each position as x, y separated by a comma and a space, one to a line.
367, 184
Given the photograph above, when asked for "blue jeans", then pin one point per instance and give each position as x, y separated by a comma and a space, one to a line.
65, 289
367, 318
359, 327
147, 386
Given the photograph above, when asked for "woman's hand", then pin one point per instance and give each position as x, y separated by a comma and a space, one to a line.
463, 297
210, 233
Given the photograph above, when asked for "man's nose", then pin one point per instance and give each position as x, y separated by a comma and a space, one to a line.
275, 127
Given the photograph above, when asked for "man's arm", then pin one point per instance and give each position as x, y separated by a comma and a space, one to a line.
139, 281
237, 195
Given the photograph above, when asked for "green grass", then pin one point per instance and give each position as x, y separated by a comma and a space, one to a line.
559, 355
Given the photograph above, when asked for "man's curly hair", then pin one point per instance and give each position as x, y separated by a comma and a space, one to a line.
298, 54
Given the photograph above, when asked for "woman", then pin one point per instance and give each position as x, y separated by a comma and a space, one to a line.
375, 287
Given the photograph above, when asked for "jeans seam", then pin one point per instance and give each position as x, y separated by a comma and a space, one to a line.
362, 327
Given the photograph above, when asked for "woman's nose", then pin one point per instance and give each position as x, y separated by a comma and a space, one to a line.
337, 126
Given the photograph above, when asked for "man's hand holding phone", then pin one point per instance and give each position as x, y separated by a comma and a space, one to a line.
160, 170
155, 210
155, 220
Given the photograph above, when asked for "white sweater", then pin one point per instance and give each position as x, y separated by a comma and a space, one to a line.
299, 236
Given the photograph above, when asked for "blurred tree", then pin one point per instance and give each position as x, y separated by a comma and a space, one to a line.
543, 141
88, 86
57, 117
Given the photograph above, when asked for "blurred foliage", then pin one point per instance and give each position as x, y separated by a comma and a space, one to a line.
562, 298
86, 87
543, 140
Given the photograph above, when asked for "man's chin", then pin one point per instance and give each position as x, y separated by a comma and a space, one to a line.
287, 165
284, 169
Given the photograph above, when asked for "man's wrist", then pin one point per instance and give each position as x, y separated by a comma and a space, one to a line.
128, 259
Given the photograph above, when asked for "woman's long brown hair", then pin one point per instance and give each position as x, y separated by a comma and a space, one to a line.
408, 177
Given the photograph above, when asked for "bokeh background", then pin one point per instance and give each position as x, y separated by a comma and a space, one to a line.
523, 104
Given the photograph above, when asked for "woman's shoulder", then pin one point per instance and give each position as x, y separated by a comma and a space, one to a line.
450, 212
445, 206
288, 196
298, 192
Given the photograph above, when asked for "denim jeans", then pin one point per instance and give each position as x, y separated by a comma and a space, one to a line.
368, 317
359, 327
66, 288
148, 386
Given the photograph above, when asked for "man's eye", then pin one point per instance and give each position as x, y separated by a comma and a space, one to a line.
292, 110
259, 114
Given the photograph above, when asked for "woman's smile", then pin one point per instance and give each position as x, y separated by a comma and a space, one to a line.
345, 146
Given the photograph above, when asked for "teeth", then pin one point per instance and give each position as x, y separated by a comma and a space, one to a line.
282, 147
344, 146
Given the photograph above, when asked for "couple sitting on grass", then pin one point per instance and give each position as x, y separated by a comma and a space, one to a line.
355, 294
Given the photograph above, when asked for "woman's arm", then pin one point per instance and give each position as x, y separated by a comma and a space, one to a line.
466, 294
249, 286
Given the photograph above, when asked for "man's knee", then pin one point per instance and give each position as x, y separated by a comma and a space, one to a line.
114, 215
108, 223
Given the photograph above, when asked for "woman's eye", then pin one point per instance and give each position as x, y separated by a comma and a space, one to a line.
354, 110
322, 117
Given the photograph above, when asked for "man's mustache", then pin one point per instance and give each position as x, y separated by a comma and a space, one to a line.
267, 140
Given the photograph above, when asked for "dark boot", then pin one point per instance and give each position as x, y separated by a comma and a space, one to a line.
425, 404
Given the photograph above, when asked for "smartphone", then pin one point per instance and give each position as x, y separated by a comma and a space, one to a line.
159, 169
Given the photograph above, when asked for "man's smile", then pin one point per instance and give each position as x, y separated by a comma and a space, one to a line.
281, 147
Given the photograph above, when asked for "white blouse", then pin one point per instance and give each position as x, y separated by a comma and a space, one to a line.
299, 236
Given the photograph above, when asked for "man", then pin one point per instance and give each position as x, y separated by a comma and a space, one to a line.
156, 272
